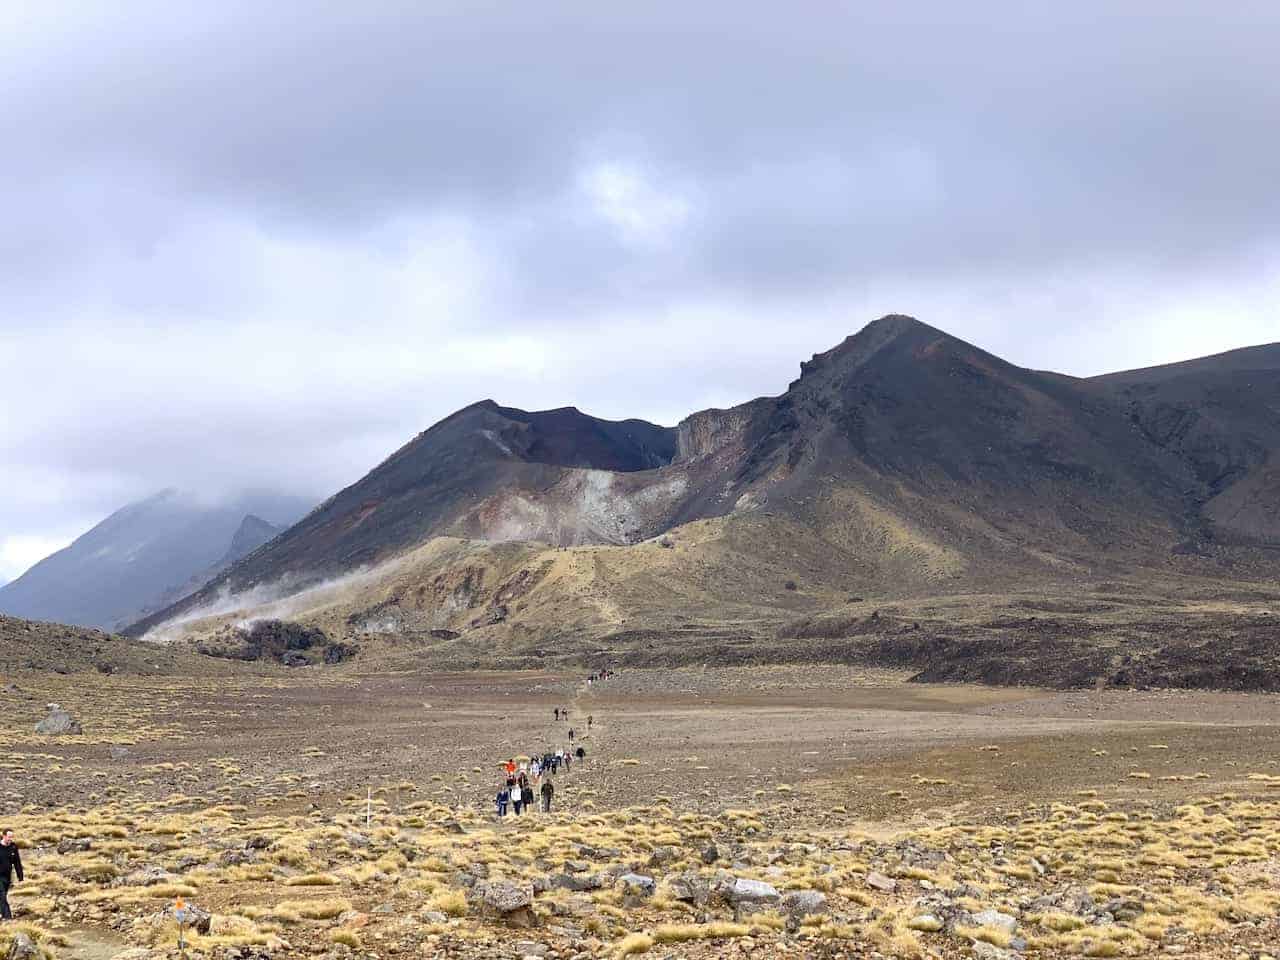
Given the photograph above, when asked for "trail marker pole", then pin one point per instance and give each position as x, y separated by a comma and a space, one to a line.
180, 914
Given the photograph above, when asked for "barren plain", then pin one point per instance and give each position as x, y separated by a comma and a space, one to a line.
802, 811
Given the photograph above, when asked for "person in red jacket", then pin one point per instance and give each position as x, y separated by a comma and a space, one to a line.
10, 864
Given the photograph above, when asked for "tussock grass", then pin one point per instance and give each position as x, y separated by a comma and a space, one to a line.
632, 944
313, 880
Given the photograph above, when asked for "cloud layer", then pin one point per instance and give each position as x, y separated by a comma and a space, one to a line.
254, 244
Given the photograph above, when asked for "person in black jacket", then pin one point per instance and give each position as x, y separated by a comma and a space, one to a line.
10, 863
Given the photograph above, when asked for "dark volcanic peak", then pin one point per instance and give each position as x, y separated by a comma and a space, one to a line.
903, 451
568, 437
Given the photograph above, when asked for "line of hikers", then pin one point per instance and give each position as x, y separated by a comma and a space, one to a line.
523, 775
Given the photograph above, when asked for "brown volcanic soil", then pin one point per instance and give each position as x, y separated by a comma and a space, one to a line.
823, 754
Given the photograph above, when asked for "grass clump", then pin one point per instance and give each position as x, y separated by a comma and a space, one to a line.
632, 944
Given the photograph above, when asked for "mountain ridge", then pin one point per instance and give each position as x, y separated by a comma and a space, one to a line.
903, 461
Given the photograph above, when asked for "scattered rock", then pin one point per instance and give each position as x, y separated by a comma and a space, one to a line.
689, 888
636, 888
58, 722
987, 951
662, 855
739, 890
878, 881
23, 948
508, 902
74, 845
804, 903
997, 920
148, 877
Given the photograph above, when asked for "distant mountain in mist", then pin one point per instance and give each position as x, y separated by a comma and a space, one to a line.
145, 556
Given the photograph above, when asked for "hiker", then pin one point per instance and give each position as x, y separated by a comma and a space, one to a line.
504, 795
10, 863
557, 712
526, 795
547, 792
580, 754
571, 734
517, 799
589, 721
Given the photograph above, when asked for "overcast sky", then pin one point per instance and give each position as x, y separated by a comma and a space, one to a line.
253, 244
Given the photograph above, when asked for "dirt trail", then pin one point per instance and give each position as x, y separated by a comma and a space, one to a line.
91, 943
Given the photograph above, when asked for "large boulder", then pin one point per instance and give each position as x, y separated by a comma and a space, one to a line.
576, 883
636, 888
688, 888
804, 903
58, 722
508, 902
743, 895
996, 920
878, 881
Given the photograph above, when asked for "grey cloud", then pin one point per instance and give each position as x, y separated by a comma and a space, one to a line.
252, 243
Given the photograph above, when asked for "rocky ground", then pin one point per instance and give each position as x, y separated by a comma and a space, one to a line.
804, 811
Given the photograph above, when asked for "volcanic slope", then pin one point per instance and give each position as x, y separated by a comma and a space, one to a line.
1220, 415
902, 465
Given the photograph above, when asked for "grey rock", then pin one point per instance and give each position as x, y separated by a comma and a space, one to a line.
987, 951
23, 948
1124, 909
710, 853
804, 903
878, 881
662, 855
148, 877
742, 890
996, 919
74, 845
505, 900
577, 883
58, 722
689, 888
636, 888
